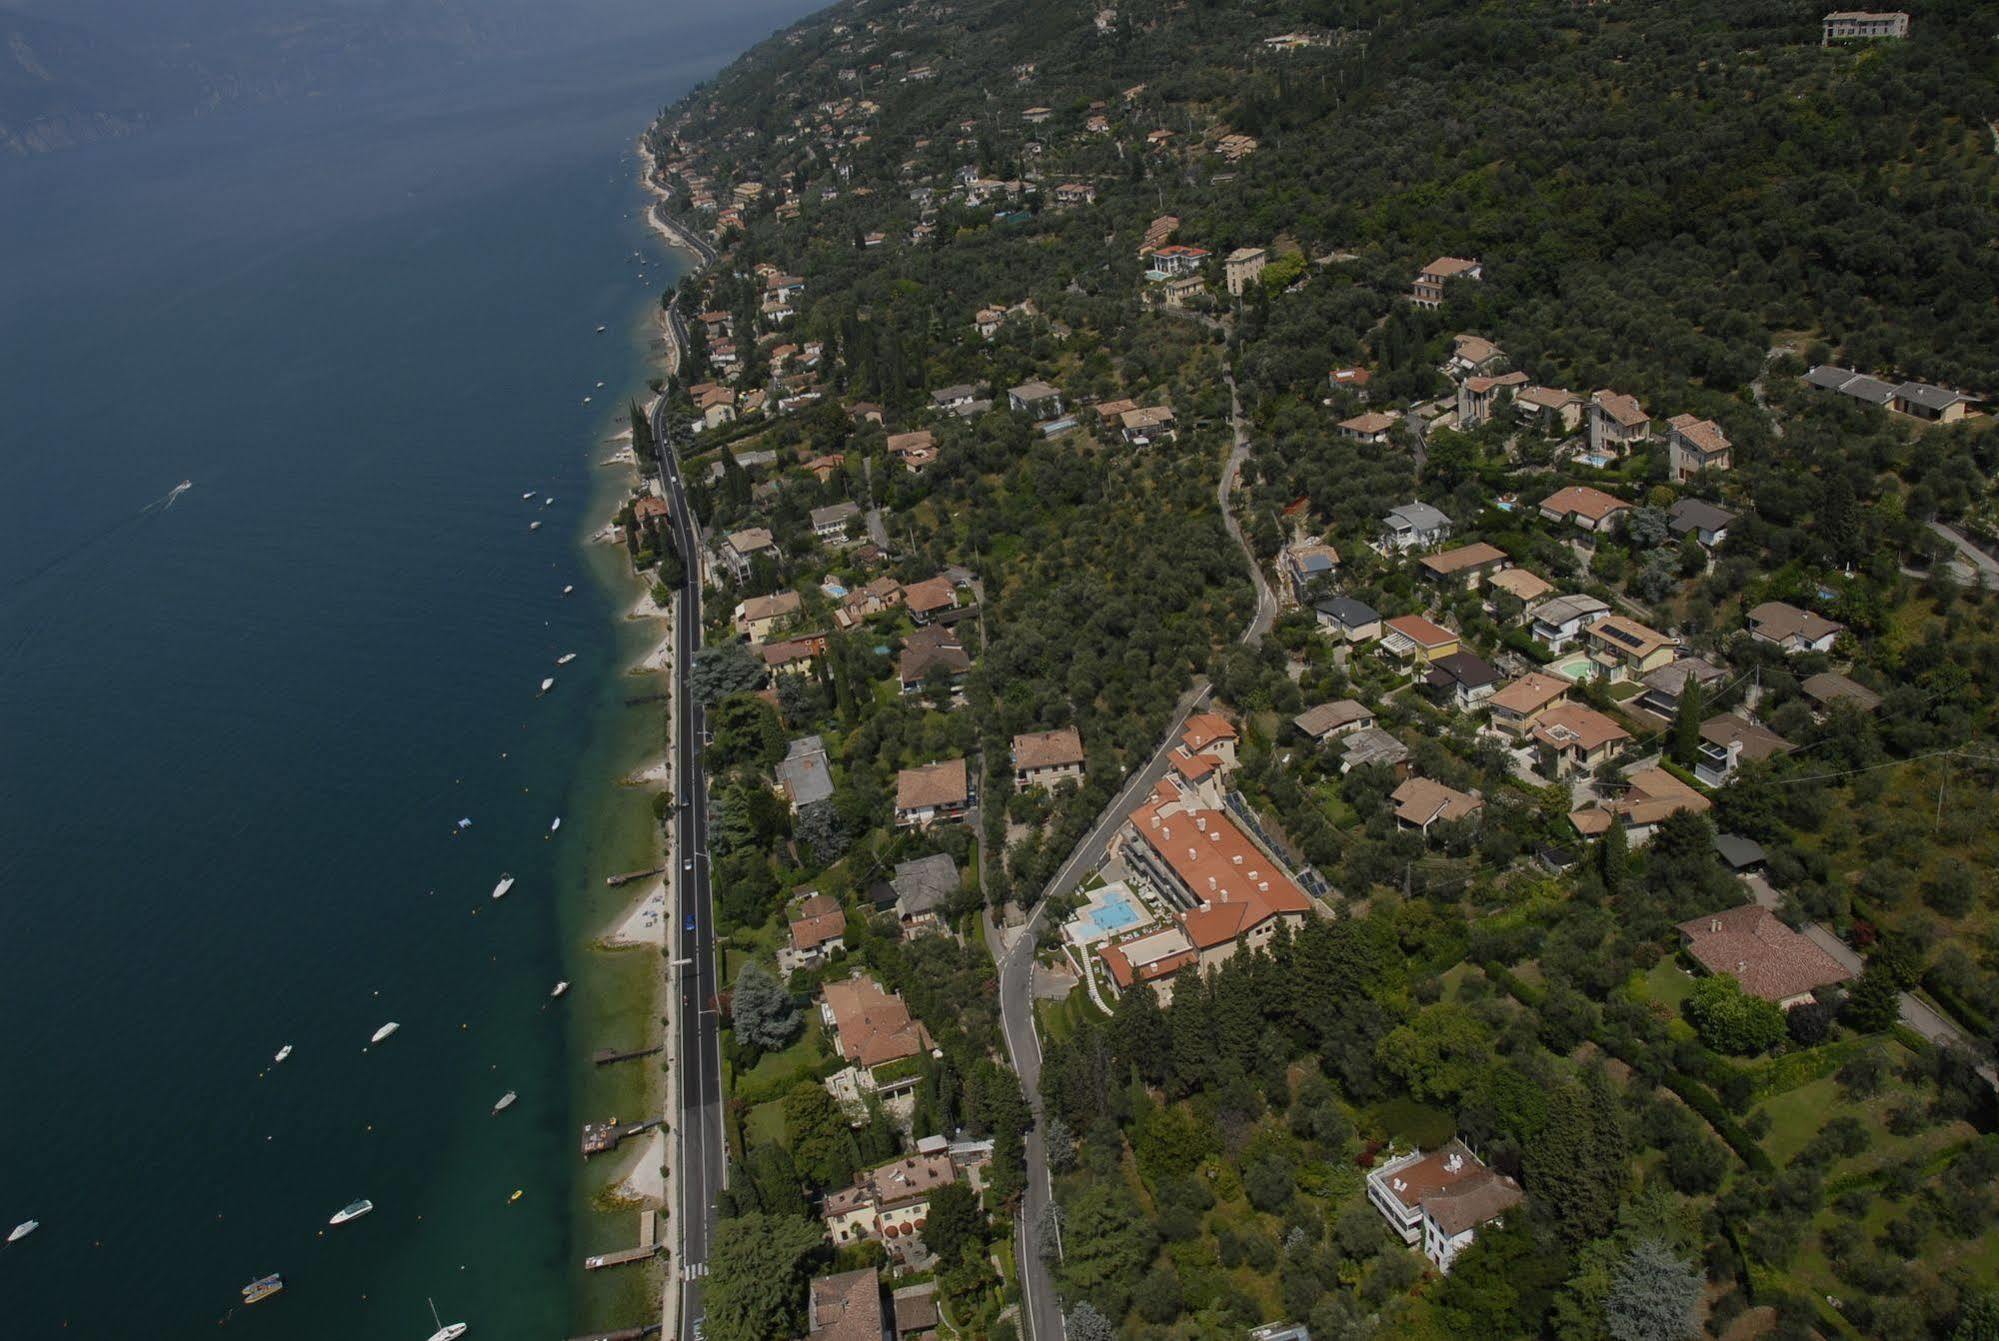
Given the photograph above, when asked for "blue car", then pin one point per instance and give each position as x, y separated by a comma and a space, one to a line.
688, 923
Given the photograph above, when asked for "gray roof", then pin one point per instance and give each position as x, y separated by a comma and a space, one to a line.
1673, 679
1470, 671
1372, 745
923, 885
1739, 852
1828, 687
1561, 609
963, 391
1347, 611
1315, 563
805, 773
1418, 517
1927, 396
1830, 376
833, 514
1327, 717
1870, 389
1033, 391
1693, 514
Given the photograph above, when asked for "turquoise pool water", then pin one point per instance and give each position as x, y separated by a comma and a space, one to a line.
1115, 914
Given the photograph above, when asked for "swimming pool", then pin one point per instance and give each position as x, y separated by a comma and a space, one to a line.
1576, 666
1114, 914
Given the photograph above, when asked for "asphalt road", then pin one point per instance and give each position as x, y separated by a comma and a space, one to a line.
697, 1056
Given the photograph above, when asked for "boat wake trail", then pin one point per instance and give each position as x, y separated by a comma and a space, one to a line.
61, 557
162, 504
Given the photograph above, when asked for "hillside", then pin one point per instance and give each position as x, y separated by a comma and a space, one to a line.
1600, 391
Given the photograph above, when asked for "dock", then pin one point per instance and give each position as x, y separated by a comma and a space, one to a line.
648, 1246
608, 1056
615, 880
600, 1138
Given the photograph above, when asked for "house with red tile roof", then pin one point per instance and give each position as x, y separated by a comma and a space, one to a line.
1581, 506
1766, 957
1441, 1200
1414, 638
870, 1027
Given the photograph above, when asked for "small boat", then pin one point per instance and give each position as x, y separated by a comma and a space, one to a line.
601, 330
534, 526
567, 590
25, 1228
506, 1102
353, 1210
445, 1332
283, 1053
526, 496
506, 883
555, 824
263, 1288
465, 824
560, 988
565, 658
600, 386
548, 684
382, 1034
518, 1194
586, 400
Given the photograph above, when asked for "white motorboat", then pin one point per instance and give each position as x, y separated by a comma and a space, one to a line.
506, 1102
567, 590
555, 824
534, 526
602, 329
548, 684
445, 1331
506, 883
22, 1230
560, 988
283, 1053
526, 496
565, 658
353, 1210
600, 386
381, 1035
548, 502
586, 400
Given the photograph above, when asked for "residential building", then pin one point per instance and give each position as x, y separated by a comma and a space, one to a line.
964, 394
818, 928
870, 1027
1174, 259
1441, 1200
739, 548
1374, 428
1517, 706
1144, 426
1035, 398
924, 888
1370, 746
915, 1311
1348, 620
1828, 689
1666, 686
877, 597
1421, 802
846, 1307
1473, 356
1765, 957
1624, 649
1180, 291
1521, 585
1550, 410
1209, 733
1792, 629
1428, 288
888, 1205
1151, 958
1563, 620
931, 794
1577, 737
1702, 520
793, 656
1414, 638
1617, 423
758, 616
929, 653
1355, 380
1855, 385
1939, 405
1857, 25
930, 598
1329, 721
1045, 758
1583, 507
1468, 564
1694, 445
1651, 797
1414, 526
1069, 195
805, 775
1242, 268
1465, 680
830, 522
915, 449
1478, 396
1306, 562
1727, 740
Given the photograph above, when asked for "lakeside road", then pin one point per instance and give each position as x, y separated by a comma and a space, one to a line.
701, 1172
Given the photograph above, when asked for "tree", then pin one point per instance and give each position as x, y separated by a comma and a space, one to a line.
1687, 723
755, 1287
1875, 1002
1085, 1323
1730, 1020
822, 1145
1107, 1244
821, 828
762, 1013
955, 1225
1577, 1166
1653, 1296
721, 670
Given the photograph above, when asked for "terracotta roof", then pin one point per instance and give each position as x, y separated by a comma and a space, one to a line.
1702, 433
940, 784
1473, 1202
1827, 688
1757, 742
1452, 1186
1048, 749
1472, 348
874, 1026
934, 593
1782, 622
1626, 635
928, 648
1583, 501
1768, 958
1326, 718
1148, 958
1446, 266
1577, 726
771, 607
847, 1307
1421, 631
1204, 729
1651, 795
1423, 800
1474, 555
1481, 385
812, 929
649, 505
1239, 887
1546, 397
920, 440
1530, 693
1624, 410
750, 539
1370, 423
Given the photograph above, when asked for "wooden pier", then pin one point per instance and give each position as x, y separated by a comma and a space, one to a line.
608, 1056
600, 1138
648, 1246
615, 880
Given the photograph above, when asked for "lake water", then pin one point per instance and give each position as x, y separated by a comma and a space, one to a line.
236, 732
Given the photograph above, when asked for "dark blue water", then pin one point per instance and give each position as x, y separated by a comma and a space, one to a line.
235, 733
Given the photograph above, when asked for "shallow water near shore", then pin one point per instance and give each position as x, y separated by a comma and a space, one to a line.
237, 732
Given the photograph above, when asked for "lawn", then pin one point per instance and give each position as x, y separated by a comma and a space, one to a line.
1057, 1020
1798, 1115
798, 1061
764, 1124
1667, 984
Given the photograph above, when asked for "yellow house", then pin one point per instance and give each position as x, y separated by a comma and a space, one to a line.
1624, 649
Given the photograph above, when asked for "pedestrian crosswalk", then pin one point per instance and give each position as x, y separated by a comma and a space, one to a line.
693, 1270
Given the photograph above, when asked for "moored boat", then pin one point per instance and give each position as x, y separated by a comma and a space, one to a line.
560, 988
555, 824
22, 1230
445, 1331
529, 494
565, 658
534, 526
506, 883
353, 1210
548, 684
381, 1035
567, 590
283, 1053
263, 1288
506, 1102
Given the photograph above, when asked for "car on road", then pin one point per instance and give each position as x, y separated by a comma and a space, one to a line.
687, 923
687, 865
